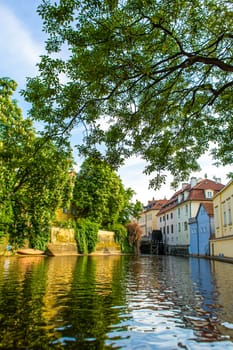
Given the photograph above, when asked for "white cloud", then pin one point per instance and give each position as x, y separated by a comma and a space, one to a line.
19, 52
132, 176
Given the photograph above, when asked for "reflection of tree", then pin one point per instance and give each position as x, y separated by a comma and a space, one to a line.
59, 279
21, 303
90, 311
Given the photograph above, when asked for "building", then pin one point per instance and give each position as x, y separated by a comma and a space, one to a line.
167, 222
174, 216
201, 229
222, 242
148, 217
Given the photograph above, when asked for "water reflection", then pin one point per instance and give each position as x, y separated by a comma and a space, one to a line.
123, 302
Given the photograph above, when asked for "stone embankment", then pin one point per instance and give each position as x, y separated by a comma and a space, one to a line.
63, 243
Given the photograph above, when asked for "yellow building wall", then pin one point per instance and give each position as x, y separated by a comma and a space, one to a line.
222, 247
61, 216
155, 220
148, 221
222, 244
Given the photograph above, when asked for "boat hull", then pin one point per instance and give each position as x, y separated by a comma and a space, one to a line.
30, 251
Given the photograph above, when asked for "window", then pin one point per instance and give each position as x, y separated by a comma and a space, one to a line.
167, 229
172, 228
160, 219
209, 194
185, 225
216, 216
224, 218
186, 194
180, 197
167, 216
171, 215
178, 212
186, 209
164, 218
229, 216
179, 227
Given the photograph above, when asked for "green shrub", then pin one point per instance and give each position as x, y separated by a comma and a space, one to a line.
121, 237
70, 223
86, 235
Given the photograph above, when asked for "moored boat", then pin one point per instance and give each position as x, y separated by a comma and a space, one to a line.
29, 251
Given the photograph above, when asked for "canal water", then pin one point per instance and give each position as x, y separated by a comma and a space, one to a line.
115, 302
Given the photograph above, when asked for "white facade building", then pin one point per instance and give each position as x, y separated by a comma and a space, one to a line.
174, 216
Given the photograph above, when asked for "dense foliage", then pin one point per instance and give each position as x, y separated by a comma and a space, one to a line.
121, 237
86, 235
158, 72
34, 175
99, 197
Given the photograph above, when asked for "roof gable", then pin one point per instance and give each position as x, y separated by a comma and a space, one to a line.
193, 193
209, 208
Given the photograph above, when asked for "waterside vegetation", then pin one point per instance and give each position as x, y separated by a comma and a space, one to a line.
36, 180
145, 78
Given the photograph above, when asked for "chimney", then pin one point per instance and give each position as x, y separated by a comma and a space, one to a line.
193, 181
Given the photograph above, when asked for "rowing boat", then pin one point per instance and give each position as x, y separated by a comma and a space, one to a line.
30, 251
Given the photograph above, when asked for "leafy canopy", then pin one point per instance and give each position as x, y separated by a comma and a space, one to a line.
158, 72
100, 196
34, 175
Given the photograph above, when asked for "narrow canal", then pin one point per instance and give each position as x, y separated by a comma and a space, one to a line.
115, 302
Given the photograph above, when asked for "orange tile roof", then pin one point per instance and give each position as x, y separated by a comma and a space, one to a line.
196, 193
155, 204
209, 208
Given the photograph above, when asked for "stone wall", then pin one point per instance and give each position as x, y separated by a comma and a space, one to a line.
106, 243
62, 235
62, 242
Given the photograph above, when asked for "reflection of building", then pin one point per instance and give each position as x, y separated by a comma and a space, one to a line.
203, 281
222, 242
201, 228
223, 276
148, 218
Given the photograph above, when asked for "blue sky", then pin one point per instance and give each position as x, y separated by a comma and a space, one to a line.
22, 42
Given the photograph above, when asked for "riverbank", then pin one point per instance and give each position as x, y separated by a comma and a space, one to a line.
220, 258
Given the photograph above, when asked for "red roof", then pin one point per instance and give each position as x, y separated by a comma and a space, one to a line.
195, 193
209, 208
155, 204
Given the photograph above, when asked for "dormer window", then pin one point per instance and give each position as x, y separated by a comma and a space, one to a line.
186, 193
209, 194
180, 197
